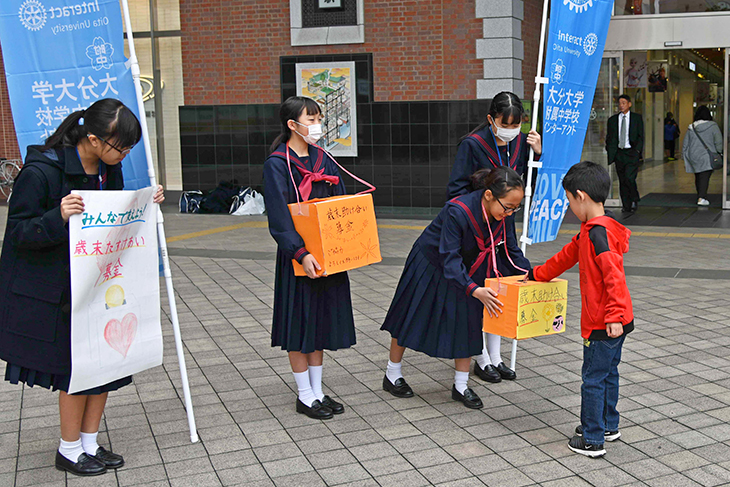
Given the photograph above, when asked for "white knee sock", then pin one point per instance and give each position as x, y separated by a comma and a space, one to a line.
494, 345
460, 380
305, 388
71, 449
393, 371
483, 359
88, 442
315, 379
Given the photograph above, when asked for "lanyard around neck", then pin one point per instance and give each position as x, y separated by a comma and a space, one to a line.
499, 152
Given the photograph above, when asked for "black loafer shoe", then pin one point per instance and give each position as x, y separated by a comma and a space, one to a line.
488, 373
335, 406
315, 411
505, 372
111, 460
86, 466
469, 398
399, 389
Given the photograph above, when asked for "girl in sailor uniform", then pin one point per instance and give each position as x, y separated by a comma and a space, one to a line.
439, 302
311, 313
496, 142
84, 153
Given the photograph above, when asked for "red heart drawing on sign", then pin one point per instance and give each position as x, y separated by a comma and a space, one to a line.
120, 336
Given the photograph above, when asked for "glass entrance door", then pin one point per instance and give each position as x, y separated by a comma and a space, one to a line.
608, 88
726, 114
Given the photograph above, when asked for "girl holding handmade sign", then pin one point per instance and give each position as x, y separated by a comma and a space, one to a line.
496, 142
311, 313
84, 153
440, 299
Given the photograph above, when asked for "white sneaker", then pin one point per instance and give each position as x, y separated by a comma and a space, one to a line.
703, 202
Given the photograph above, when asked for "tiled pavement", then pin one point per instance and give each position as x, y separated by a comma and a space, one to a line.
675, 385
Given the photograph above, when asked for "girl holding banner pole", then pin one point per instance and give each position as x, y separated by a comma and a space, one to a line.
498, 141
311, 313
84, 153
439, 303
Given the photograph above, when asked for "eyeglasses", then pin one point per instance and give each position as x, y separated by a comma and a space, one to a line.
509, 210
123, 152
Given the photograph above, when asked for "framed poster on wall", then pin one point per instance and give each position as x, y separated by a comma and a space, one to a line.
332, 85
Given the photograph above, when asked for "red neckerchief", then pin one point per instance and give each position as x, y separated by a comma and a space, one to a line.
309, 177
484, 251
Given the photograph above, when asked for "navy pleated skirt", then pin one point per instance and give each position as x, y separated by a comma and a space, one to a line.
311, 314
432, 315
56, 382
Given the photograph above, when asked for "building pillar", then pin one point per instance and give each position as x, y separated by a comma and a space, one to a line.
501, 47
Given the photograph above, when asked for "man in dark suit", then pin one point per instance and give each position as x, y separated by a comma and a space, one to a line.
625, 144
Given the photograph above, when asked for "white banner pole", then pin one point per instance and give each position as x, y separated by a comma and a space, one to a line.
532, 163
134, 64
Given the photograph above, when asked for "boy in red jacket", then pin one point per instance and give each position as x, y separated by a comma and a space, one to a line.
606, 313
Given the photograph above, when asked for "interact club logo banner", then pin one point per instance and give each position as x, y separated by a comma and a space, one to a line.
575, 43
61, 56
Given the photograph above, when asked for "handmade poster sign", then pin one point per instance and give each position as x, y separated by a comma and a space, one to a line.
115, 293
530, 308
340, 232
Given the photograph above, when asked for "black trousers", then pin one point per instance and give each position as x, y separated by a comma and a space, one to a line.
702, 182
627, 167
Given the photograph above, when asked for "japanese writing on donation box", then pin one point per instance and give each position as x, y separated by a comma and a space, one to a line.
349, 233
337, 213
563, 111
531, 296
342, 225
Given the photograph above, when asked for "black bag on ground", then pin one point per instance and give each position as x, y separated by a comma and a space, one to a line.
220, 199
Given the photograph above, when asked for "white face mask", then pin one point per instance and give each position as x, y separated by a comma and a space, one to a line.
505, 134
315, 132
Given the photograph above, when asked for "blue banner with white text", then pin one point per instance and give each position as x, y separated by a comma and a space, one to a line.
577, 36
61, 56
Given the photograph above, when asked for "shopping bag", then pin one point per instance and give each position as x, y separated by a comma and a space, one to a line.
252, 203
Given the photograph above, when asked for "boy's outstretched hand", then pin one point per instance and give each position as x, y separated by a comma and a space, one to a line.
614, 330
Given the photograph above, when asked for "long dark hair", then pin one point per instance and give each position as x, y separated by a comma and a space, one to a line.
703, 113
506, 106
107, 118
499, 180
292, 109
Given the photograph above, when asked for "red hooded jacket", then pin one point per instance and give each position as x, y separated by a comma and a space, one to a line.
598, 249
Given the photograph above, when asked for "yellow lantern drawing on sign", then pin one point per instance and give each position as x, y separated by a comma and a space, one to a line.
547, 313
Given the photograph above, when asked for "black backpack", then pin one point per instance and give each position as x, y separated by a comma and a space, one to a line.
220, 199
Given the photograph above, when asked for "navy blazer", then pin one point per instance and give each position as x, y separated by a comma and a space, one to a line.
35, 279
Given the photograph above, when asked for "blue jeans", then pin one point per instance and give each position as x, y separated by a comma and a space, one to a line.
599, 391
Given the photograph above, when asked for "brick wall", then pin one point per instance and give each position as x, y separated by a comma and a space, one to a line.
422, 50
531, 37
8, 143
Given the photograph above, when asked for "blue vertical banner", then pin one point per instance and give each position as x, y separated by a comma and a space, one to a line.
61, 56
577, 36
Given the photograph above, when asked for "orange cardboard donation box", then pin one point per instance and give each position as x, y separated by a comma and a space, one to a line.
340, 232
530, 308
